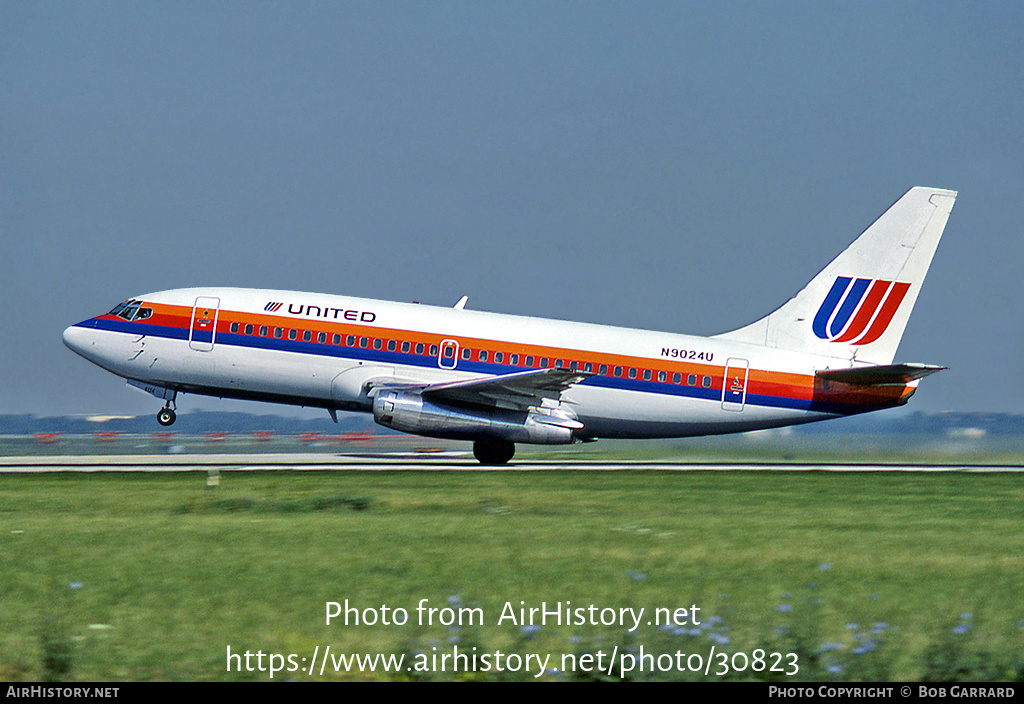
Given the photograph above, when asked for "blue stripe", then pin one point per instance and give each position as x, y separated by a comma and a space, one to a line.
135, 328
849, 305
831, 301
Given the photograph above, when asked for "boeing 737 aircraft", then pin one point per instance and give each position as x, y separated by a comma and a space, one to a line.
501, 379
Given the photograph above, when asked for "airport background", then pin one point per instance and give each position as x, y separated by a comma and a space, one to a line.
674, 166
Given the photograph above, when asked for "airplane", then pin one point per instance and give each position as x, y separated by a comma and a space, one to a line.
498, 380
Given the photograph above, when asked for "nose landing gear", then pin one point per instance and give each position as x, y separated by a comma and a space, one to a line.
166, 416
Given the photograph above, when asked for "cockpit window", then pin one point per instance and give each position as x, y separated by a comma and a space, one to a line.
118, 308
131, 310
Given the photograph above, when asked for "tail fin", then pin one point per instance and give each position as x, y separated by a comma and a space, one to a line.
858, 306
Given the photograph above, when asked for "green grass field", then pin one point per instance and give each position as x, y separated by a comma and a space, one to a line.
862, 575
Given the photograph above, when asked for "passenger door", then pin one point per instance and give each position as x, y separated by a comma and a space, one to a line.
203, 328
734, 385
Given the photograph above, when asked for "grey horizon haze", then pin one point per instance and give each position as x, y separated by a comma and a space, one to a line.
684, 167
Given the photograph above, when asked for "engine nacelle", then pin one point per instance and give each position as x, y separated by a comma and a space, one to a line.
409, 412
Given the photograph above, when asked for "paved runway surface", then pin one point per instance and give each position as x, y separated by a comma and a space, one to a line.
429, 462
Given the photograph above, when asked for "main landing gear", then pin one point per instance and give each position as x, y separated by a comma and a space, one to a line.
166, 416
493, 451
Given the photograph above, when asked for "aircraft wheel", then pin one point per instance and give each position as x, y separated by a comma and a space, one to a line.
493, 451
165, 416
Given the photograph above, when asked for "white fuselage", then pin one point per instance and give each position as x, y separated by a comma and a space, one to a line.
322, 350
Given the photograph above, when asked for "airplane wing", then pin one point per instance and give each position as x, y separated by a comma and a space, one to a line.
518, 391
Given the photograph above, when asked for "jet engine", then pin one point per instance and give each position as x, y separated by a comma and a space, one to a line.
409, 412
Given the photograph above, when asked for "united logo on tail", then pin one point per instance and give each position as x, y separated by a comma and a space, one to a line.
858, 310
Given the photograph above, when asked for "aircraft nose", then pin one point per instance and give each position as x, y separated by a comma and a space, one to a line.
77, 339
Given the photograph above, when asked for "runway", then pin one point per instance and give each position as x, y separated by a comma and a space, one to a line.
437, 462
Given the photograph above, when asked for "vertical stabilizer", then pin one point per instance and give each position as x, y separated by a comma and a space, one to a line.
858, 306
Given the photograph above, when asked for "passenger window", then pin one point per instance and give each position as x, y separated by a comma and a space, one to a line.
706, 382
263, 330
632, 372
677, 378
307, 335
234, 327
618, 371
321, 337
336, 339
499, 357
293, 334
248, 328
483, 355
419, 348
647, 374
529, 360
691, 380
466, 353
405, 346
513, 360
278, 332
392, 345
350, 341
602, 370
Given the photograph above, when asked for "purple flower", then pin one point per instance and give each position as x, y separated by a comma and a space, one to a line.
865, 647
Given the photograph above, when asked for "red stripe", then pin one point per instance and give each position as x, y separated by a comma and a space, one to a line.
892, 302
867, 309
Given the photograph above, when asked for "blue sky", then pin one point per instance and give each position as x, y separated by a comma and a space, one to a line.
677, 166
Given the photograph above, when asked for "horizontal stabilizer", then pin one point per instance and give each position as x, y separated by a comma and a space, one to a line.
886, 374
